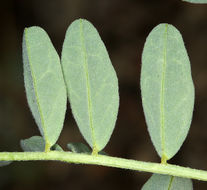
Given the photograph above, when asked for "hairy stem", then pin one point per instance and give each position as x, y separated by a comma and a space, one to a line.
109, 161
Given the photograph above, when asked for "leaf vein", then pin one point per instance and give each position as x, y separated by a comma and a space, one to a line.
35, 86
171, 181
88, 86
162, 93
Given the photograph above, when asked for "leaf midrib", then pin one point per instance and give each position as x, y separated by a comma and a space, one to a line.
162, 93
170, 184
88, 86
35, 88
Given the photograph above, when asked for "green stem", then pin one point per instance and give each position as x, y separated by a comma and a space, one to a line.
109, 161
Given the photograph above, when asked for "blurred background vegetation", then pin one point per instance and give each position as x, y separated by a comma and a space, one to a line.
123, 26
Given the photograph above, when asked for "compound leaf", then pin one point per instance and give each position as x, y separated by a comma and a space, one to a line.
196, 1
44, 83
92, 83
167, 89
36, 144
166, 182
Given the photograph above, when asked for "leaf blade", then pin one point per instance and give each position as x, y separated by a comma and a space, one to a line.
85, 63
165, 182
44, 83
167, 89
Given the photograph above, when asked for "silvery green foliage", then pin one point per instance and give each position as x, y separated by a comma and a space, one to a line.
166, 182
92, 83
44, 83
196, 1
167, 89
36, 144
4, 163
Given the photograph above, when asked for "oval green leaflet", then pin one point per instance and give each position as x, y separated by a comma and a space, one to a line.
91, 82
166, 182
167, 89
44, 84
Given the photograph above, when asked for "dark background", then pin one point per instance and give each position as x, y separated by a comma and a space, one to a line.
123, 26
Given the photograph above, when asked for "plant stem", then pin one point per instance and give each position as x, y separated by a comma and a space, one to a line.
103, 160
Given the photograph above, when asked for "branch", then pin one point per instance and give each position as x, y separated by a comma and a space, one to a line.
109, 161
